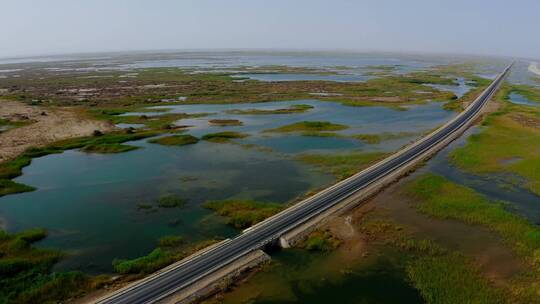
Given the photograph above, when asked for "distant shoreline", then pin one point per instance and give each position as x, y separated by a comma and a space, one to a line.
533, 68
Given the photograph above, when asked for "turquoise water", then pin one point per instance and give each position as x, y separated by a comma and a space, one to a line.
88, 202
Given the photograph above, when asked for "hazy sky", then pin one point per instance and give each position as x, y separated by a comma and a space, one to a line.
501, 27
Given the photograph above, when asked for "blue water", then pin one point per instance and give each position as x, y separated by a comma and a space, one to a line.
522, 100
460, 89
417, 119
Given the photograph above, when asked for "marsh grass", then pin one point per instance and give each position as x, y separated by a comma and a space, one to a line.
243, 213
225, 136
170, 250
321, 241
301, 108
441, 275
11, 124
170, 201
378, 138
341, 165
309, 126
25, 272
108, 148
513, 132
225, 122
439, 197
175, 140
171, 241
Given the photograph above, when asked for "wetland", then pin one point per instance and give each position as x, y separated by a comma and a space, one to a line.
203, 148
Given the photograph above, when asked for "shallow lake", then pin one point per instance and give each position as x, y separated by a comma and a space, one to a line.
90, 203
522, 100
412, 122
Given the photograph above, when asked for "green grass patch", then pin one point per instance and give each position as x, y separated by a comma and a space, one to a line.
378, 138
171, 241
368, 138
309, 126
175, 140
441, 275
10, 187
301, 108
157, 122
108, 148
341, 165
224, 136
321, 241
12, 124
450, 278
442, 198
171, 201
243, 213
513, 132
168, 253
25, 272
225, 122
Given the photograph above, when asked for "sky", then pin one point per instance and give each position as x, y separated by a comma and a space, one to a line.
485, 27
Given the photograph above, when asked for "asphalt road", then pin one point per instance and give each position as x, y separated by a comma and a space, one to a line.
167, 282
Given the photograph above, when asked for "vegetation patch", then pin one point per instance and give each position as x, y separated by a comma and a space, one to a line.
108, 148
6, 124
225, 122
378, 138
289, 110
321, 241
451, 278
158, 258
170, 201
243, 213
309, 126
224, 136
157, 122
10, 187
171, 241
175, 140
442, 198
25, 272
513, 132
369, 138
441, 276
390, 90
341, 165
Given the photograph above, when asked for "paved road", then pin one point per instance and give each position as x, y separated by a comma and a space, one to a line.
165, 283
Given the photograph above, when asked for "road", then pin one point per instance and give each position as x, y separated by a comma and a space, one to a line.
173, 279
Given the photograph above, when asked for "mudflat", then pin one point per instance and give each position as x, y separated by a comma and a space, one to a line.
45, 125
